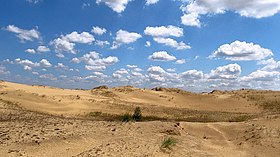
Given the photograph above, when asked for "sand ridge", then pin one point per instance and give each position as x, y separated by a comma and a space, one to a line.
45, 121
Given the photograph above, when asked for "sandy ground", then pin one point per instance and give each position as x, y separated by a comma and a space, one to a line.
38, 121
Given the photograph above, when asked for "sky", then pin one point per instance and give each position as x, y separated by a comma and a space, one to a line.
195, 45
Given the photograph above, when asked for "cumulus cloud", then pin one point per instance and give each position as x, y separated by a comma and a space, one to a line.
172, 43
4, 71
24, 35
94, 61
161, 35
42, 49
28, 65
270, 65
253, 9
61, 66
116, 5
241, 51
39, 49
261, 75
131, 66
191, 75
164, 31
125, 37
45, 63
33, 1
102, 43
156, 74
161, 56
63, 45
83, 38
49, 77
180, 61
66, 43
227, 72
32, 51
95, 68
148, 44
149, 2
98, 30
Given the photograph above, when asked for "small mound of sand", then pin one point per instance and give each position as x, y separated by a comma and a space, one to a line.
174, 90
126, 89
101, 87
216, 92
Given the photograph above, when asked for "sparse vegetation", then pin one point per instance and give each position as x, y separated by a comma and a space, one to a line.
273, 105
137, 116
255, 97
168, 142
95, 114
126, 117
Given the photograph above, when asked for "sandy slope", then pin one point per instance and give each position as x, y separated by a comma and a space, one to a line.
116, 100
26, 132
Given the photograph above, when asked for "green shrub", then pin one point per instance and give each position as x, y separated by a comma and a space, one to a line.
126, 117
168, 142
137, 116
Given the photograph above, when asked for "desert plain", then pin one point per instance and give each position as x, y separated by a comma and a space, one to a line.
43, 121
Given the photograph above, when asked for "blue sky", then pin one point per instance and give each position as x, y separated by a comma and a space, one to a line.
197, 45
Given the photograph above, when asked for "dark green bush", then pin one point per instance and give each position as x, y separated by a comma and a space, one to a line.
126, 117
137, 116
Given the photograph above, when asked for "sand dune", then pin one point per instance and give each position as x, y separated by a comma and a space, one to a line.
46, 121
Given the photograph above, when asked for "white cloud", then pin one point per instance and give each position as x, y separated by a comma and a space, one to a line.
98, 30
45, 63
148, 44
60, 55
156, 74
4, 71
63, 45
49, 77
27, 68
42, 49
163, 31
83, 38
104, 61
253, 8
190, 20
95, 68
156, 70
161, 56
61, 65
24, 35
180, 61
149, 2
270, 64
28, 65
95, 62
26, 62
39, 50
67, 43
124, 37
32, 51
227, 72
131, 66
261, 75
101, 43
122, 71
116, 5
75, 60
241, 51
33, 1
172, 43
171, 70
35, 73
191, 75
